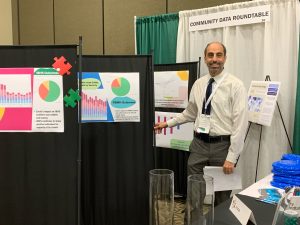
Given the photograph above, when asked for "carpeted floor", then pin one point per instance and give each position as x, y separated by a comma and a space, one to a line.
179, 210
179, 207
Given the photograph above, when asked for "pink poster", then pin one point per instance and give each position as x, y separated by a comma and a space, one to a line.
16, 86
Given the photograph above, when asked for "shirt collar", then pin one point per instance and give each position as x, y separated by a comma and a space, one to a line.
218, 77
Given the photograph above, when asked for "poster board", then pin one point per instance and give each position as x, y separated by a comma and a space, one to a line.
110, 97
119, 155
178, 137
34, 93
173, 159
32, 163
171, 88
262, 97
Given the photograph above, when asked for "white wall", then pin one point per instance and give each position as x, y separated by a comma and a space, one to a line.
6, 36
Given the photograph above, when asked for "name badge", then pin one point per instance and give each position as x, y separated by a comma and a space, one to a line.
241, 211
204, 124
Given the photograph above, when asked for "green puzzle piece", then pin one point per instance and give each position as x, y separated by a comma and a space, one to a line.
72, 98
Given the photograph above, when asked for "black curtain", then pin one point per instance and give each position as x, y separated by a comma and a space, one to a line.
173, 159
117, 157
38, 170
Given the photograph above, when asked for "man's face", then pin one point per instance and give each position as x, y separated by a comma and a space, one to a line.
215, 59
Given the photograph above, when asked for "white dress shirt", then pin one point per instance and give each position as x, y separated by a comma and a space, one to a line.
228, 110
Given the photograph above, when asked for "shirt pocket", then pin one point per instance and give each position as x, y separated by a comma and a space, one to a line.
222, 104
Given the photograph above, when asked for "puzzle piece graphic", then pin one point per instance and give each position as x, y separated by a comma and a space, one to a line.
71, 99
62, 66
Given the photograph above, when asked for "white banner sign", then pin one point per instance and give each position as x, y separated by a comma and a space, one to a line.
258, 14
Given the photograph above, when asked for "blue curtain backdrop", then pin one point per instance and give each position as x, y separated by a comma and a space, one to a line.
158, 33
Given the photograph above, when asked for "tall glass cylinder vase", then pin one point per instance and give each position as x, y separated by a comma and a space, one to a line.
200, 200
161, 197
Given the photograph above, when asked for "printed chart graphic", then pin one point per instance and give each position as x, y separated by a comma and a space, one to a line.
110, 97
2, 111
178, 137
15, 99
93, 98
169, 129
171, 89
48, 107
31, 100
49, 91
15, 91
93, 107
262, 97
120, 86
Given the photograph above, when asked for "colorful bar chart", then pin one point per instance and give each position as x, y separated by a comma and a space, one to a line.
178, 137
164, 119
93, 108
11, 98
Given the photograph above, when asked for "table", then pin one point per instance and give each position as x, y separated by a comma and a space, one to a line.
263, 212
252, 190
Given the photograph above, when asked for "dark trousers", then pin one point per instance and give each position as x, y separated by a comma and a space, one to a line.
208, 154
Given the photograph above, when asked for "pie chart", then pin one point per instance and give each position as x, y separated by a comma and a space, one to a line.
120, 86
2, 111
49, 91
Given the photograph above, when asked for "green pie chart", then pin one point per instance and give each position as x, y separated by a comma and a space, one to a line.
49, 91
120, 86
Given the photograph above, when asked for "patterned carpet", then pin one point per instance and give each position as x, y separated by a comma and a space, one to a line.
179, 207
178, 216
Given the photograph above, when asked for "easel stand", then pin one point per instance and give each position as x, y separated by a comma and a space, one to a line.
261, 126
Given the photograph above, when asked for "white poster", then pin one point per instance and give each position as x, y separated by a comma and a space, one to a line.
110, 97
47, 111
171, 89
262, 97
31, 100
178, 137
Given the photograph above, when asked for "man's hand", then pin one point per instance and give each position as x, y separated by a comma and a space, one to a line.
228, 167
159, 126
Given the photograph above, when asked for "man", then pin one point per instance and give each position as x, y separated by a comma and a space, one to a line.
218, 105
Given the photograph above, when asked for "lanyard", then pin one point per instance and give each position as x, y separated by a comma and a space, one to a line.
214, 91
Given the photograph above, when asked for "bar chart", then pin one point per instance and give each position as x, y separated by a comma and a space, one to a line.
178, 137
93, 108
15, 91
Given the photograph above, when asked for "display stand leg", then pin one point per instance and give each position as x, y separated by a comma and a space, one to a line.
249, 125
284, 127
153, 113
257, 161
79, 157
